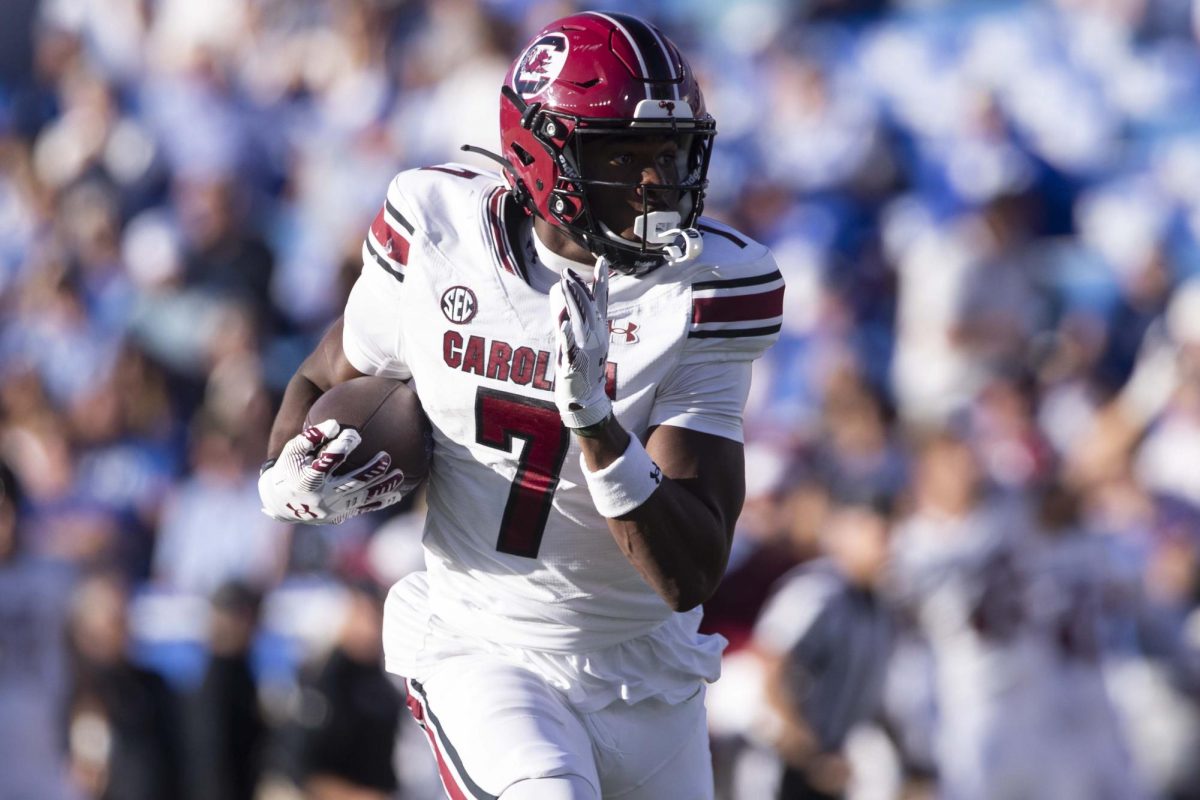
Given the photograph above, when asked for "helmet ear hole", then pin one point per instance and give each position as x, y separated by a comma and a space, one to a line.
522, 155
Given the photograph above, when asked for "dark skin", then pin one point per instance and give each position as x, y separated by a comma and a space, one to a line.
629, 160
679, 539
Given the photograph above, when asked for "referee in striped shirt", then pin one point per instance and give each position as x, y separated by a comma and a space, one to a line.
825, 637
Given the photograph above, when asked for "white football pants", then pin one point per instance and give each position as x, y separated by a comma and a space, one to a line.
493, 726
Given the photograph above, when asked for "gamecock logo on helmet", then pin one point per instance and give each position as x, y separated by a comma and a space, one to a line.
540, 64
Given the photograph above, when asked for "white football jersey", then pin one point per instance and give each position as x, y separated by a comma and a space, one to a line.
515, 550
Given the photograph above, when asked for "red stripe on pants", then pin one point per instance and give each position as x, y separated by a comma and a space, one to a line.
453, 790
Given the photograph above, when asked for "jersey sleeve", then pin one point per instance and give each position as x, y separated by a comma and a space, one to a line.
705, 397
738, 314
734, 318
372, 333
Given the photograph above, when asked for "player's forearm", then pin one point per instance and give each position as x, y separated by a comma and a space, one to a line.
677, 542
325, 366
298, 398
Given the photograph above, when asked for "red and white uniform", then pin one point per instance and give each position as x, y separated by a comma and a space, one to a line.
520, 566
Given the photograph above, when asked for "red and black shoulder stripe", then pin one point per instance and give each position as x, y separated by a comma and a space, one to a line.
389, 240
738, 307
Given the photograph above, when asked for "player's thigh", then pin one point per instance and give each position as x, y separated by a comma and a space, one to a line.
653, 750
492, 725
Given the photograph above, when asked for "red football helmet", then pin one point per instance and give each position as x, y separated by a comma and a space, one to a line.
590, 75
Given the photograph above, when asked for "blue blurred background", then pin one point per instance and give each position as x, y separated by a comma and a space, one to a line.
988, 216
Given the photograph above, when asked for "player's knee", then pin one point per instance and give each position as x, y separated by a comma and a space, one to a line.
559, 787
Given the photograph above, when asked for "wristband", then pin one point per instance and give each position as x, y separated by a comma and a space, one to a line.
624, 484
266, 465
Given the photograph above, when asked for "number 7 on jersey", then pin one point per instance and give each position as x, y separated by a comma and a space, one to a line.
501, 417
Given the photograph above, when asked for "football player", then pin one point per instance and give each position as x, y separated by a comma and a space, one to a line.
587, 465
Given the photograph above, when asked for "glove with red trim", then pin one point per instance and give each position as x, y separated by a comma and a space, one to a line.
299, 486
580, 316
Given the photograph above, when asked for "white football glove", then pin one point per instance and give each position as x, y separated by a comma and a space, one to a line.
580, 318
300, 486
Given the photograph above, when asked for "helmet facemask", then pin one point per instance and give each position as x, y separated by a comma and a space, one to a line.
668, 209
569, 204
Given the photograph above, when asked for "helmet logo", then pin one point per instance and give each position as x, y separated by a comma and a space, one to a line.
668, 106
540, 64
459, 304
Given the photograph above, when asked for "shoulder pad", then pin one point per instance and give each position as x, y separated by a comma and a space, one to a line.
725, 244
431, 195
420, 204
737, 295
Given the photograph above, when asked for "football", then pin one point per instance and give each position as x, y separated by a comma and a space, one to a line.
388, 416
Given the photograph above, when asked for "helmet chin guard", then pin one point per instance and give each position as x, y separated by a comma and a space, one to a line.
593, 75
687, 247
661, 231
655, 227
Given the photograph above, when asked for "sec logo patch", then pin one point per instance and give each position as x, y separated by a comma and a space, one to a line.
459, 304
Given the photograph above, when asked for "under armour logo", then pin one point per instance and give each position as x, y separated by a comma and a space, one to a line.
300, 512
656, 474
628, 334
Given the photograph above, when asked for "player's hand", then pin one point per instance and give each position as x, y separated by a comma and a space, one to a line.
580, 317
301, 487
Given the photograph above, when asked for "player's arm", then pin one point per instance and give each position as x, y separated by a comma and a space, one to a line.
367, 333
679, 538
299, 481
672, 518
672, 503
325, 367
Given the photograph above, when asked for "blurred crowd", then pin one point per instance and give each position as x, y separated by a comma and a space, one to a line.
969, 563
